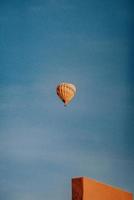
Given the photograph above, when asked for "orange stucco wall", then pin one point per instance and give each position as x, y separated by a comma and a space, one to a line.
87, 189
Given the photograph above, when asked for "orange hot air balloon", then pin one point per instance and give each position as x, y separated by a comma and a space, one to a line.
66, 92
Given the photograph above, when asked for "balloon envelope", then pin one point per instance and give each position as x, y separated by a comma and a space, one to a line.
66, 92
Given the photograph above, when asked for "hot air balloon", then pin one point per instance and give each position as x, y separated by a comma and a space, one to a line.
66, 92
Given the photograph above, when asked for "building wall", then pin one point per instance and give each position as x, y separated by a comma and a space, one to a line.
87, 189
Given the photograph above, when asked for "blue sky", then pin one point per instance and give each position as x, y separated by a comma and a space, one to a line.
42, 143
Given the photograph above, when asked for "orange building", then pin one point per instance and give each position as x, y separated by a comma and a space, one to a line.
87, 189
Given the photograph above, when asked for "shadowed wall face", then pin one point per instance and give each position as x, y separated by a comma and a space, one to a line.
87, 189
77, 189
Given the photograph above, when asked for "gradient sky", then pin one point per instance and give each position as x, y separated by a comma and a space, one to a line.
42, 143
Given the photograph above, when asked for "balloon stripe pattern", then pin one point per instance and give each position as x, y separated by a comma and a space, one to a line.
66, 92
